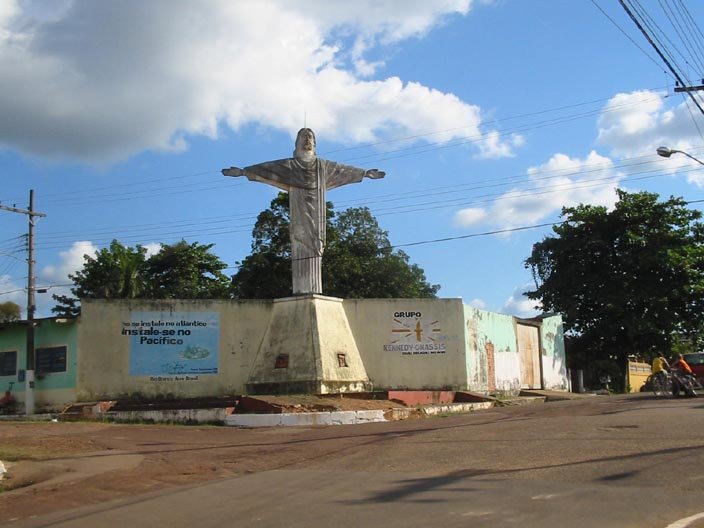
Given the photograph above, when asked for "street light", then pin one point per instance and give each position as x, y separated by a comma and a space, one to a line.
666, 152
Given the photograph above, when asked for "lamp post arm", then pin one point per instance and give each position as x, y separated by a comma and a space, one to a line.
690, 157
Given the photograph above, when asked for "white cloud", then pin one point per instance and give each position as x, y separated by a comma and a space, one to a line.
478, 303
635, 124
152, 248
561, 182
493, 146
71, 261
56, 277
629, 115
385, 19
102, 80
631, 125
8, 11
470, 216
519, 305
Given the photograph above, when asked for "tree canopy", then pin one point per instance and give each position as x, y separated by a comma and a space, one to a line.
9, 312
186, 271
629, 281
358, 262
177, 271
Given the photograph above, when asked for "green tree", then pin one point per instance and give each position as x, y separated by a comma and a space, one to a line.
266, 272
185, 271
9, 312
115, 272
628, 281
358, 262
181, 270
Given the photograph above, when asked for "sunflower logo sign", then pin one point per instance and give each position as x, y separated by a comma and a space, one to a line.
412, 334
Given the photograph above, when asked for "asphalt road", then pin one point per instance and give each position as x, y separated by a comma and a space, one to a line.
606, 461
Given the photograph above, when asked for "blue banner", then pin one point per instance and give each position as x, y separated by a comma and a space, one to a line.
181, 344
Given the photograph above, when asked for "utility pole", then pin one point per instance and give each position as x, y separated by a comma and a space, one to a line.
697, 88
29, 372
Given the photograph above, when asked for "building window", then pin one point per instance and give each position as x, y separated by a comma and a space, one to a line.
341, 360
51, 359
8, 363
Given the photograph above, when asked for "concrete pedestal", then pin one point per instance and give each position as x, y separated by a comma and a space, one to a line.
308, 348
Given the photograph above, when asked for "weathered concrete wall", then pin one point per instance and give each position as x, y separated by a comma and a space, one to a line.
410, 343
130, 348
122, 352
52, 390
553, 359
493, 361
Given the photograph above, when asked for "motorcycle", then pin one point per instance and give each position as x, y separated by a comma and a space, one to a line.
660, 383
685, 383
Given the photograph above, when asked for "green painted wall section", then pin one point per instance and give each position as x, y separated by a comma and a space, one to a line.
13, 337
498, 329
48, 333
51, 334
552, 338
489, 333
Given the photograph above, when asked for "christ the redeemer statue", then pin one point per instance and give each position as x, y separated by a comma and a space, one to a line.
306, 178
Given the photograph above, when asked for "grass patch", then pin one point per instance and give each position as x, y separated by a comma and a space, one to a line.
13, 454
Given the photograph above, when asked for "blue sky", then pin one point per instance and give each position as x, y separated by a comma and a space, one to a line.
485, 115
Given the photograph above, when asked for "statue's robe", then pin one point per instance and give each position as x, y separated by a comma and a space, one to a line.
306, 183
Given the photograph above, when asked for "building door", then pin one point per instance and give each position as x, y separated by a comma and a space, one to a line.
529, 351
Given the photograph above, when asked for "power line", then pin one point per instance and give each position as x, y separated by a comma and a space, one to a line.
672, 16
625, 34
658, 35
496, 232
47, 287
442, 204
416, 243
698, 36
50, 241
370, 158
474, 235
100, 195
396, 209
659, 52
477, 185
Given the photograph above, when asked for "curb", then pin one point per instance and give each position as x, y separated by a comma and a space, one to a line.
433, 410
314, 418
176, 416
349, 417
43, 417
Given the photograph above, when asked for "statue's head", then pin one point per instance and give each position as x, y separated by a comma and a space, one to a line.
305, 145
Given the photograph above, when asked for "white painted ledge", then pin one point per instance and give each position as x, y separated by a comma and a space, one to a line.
314, 418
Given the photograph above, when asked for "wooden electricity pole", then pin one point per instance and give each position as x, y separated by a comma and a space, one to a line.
29, 372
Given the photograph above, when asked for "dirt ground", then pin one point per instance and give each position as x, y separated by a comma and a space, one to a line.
53, 466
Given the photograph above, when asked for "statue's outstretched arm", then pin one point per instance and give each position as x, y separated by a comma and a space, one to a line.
233, 171
374, 174
277, 173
